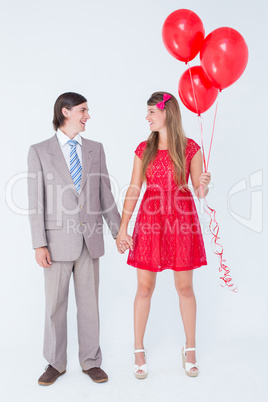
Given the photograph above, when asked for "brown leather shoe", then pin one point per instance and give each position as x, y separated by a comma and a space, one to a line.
96, 374
49, 376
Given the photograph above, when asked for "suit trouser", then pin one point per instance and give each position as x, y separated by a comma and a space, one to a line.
86, 284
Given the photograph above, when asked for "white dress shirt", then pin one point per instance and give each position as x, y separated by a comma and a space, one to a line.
65, 147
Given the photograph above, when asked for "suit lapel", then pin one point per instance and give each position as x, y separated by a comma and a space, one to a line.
59, 163
86, 161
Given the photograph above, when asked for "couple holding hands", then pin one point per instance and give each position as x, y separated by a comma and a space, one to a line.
69, 193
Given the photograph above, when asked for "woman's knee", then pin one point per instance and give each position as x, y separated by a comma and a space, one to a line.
145, 290
185, 291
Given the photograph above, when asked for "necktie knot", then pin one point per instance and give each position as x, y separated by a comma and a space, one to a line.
73, 143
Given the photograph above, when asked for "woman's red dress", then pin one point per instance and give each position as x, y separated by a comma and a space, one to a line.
167, 233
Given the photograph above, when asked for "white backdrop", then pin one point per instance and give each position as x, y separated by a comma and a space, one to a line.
112, 53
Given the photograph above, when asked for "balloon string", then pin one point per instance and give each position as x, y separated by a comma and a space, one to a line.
213, 224
192, 83
202, 142
213, 129
199, 117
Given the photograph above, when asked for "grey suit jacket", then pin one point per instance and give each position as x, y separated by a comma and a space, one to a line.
60, 217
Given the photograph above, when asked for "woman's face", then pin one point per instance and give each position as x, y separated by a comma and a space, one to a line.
156, 118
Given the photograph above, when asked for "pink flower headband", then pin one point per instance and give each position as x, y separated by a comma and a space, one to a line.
161, 105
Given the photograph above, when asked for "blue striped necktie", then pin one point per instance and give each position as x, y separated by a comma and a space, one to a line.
75, 165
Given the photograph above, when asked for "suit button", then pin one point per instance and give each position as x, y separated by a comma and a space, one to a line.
80, 223
81, 206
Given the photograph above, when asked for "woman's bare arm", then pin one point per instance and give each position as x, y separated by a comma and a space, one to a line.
199, 179
123, 240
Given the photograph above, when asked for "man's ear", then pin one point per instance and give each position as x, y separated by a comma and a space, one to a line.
65, 112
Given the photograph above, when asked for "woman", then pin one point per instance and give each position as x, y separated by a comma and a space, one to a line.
167, 232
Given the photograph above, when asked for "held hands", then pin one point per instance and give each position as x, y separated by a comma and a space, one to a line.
124, 242
42, 257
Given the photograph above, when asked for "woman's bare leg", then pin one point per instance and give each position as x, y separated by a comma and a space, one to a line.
145, 288
184, 286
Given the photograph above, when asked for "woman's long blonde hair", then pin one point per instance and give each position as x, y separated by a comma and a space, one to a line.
176, 139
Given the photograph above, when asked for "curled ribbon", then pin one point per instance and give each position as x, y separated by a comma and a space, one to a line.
161, 105
214, 230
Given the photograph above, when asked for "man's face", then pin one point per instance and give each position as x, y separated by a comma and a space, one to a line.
76, 118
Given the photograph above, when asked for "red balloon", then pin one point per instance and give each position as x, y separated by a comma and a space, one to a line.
204, 94
224, 56
183, 34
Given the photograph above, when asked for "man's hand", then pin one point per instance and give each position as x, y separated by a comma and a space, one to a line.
124, 242
42, 257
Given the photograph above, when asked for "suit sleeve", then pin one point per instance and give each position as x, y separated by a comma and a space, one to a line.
108, 205
36, 199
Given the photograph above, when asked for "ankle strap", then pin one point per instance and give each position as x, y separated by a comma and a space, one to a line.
139, 350
188, 349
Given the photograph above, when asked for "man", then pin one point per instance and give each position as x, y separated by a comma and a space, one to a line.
69, 192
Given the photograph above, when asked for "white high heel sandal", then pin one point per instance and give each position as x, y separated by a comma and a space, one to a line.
187, 366
143, 375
